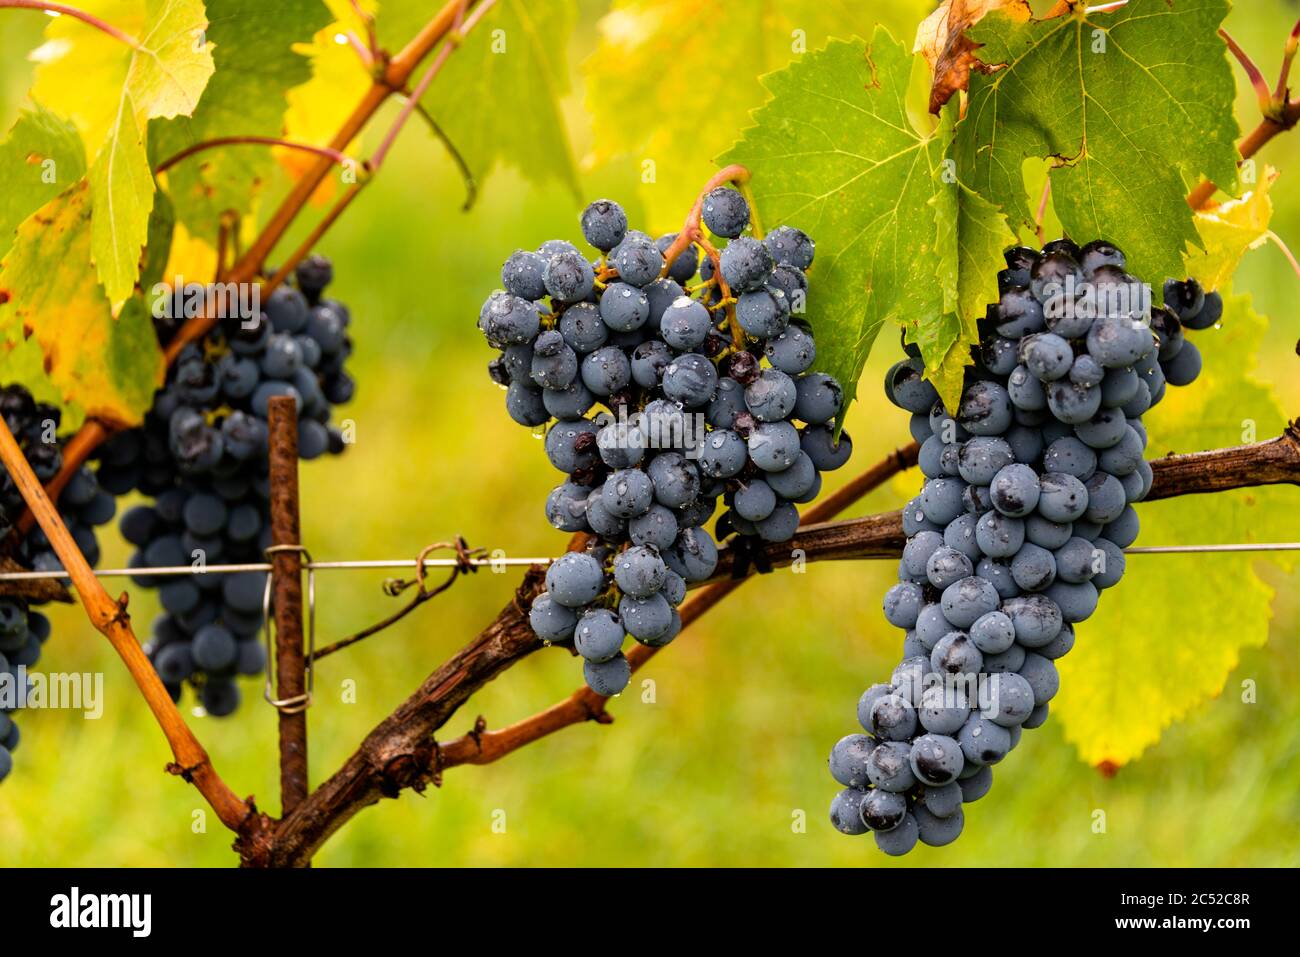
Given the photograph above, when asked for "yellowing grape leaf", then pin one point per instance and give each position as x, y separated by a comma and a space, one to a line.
318, 106
1133, 104
190, 257
941, 39
41, 157
1228, 230
256, 63
671, 80
110, 90
122, 190
48, 292
1167, 637
899, 239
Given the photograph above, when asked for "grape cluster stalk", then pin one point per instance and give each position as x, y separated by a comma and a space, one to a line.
663, 386
1022, 521
202, 457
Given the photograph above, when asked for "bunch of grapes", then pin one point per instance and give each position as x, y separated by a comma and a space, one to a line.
1025, 513
83, 506
697, 380
202, 456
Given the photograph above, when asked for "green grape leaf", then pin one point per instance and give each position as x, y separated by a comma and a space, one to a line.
498, 97
647, 84
255, 63
1133, 105
40, 158
971, 235
162, 76
1166, 638
899, 239
157, 251
49, 292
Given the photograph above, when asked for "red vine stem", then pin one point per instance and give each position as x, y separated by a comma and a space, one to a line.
459, 32
368, 19
1280, 114
64, 10
363, 54
1262, 92
691, 231
392, 80
334, 155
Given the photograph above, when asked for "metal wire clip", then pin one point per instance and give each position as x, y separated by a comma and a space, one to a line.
300, 702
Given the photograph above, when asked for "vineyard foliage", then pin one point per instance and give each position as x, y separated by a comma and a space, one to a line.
1125, 109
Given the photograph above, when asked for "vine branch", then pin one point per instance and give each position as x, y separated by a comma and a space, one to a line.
110, 618
401, 751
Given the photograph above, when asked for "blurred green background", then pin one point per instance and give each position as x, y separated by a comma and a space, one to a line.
718, 767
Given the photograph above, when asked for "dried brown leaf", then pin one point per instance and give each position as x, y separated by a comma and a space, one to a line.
941, 39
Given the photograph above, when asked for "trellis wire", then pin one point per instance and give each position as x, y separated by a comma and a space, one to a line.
392, 563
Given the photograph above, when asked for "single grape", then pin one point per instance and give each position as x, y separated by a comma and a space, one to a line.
604, 224
846, 811
725, 212
900, 839
598, 636
746, 265
607, 678
574, 579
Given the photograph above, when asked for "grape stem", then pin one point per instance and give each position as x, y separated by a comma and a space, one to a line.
693, 232
64, 10
1279, 113
110, 618
1288, 55
401, 751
